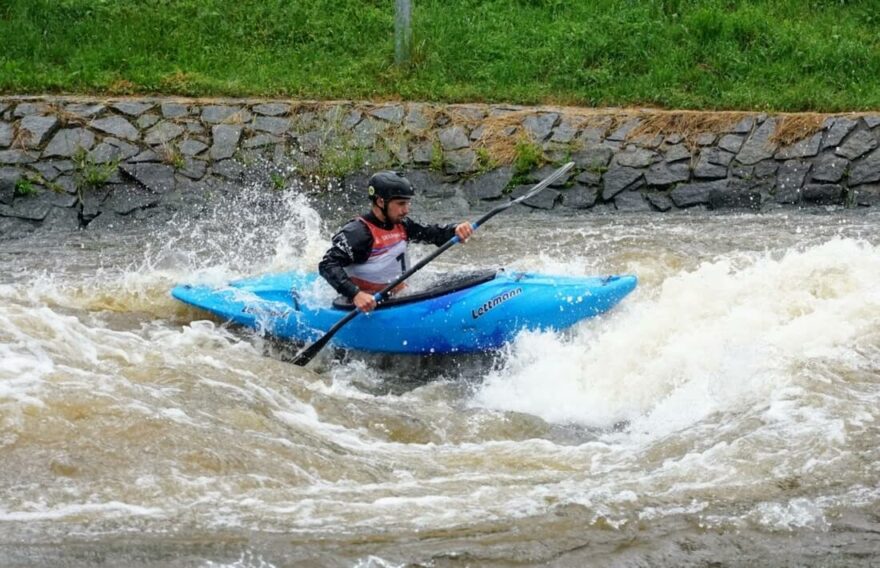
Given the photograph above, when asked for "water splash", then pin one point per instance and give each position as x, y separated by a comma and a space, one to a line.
714, 339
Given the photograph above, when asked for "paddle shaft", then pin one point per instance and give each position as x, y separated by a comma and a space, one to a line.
308, 353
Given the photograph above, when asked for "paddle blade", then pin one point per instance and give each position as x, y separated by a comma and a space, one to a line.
538, 188
303, 357
306, 355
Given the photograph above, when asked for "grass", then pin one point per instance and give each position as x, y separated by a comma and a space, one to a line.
90, 175
278, 181
172, 156
437, 159
528, 156
24, 188
336, 160
782, 55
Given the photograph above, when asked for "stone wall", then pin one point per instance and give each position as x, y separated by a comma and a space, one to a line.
74, 162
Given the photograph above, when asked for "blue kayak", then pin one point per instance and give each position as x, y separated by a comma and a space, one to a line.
472, 313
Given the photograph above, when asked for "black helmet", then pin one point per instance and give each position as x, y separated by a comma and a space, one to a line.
389, 185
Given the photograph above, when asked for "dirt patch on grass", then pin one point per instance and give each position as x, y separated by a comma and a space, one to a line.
793, 128
689, 125
502, 131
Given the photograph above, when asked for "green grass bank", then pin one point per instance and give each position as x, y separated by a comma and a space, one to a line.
781, 55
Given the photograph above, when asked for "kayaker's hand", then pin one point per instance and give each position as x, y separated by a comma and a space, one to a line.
464, 231
364, 302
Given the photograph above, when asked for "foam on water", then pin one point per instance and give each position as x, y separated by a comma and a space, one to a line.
113, 509
718, 338
60, 319
710, 385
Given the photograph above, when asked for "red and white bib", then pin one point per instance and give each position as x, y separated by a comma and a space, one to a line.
388, 258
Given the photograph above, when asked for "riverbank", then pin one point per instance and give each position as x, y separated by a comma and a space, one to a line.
86, 163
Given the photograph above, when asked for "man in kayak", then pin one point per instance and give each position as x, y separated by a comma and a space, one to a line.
370, 250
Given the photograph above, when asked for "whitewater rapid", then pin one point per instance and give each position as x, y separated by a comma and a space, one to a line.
731, 401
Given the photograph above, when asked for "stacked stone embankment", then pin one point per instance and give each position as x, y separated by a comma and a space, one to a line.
90, 163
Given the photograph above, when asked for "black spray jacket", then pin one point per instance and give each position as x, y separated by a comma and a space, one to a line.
354, 243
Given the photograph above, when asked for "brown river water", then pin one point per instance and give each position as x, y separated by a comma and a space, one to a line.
727, 413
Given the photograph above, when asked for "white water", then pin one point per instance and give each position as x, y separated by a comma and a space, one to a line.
718, 338
736, 390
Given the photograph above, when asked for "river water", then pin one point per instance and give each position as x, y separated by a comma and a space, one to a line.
726, 413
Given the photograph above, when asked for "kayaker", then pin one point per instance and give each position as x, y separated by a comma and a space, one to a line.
370, 251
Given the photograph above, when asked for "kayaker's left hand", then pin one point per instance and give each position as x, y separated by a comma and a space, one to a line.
464, 231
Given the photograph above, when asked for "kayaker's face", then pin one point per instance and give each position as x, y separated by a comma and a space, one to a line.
398, 209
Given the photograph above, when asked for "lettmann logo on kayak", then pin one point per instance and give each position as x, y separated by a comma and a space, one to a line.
495, 302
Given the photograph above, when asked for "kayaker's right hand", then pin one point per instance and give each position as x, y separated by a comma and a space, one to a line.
464, 231
364, 302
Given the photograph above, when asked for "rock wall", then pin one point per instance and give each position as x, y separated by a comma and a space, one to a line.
74, 162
